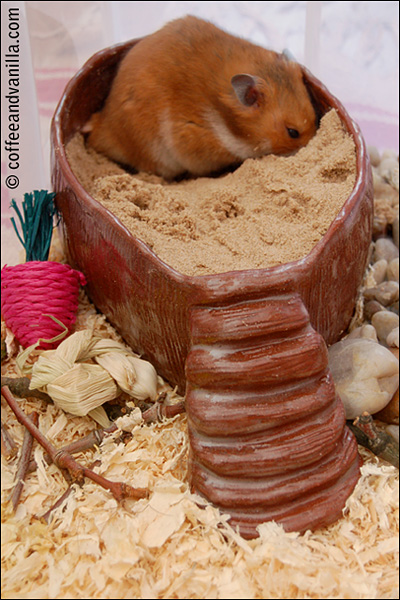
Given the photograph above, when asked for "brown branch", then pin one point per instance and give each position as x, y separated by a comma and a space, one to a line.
19, 386
94, 438
157, 412
48, 514
377, 441
8, 447
160, 411
66, 463
23, 463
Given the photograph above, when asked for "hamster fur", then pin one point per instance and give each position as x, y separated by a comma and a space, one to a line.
191, 98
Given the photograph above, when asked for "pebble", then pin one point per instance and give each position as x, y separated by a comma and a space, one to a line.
386, 293
378, 270
384, 322
371, 307
389, 153
395, 232
384, 191
365, 331
374, 156
395, 307
365, 364
385, 249
394, 431
365, 375
392, 339
392, 271
387, 167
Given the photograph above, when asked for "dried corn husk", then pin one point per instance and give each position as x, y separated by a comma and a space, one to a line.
85, 371
83, 387
135, 376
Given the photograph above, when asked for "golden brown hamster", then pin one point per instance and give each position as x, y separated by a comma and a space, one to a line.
191, 98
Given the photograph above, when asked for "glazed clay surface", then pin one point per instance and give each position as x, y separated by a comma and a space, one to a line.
249, 342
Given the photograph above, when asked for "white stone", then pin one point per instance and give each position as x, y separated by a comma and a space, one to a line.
393, 430
365, 375
392, 339
388, 169
379, 271
384, 322
393, 270
385, 248
374, 156
365, 331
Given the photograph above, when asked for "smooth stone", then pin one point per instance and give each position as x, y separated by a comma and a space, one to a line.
384, 191
394, 431
365, 332
376, 178
387, 164
395, 232
390, 414
392, 271
384, 322
385, 248
374, 156
378, 270
390, 153
386, 293
365, 375
371, 307
379, 227
394, 177
388, 169
392, 339
394, 307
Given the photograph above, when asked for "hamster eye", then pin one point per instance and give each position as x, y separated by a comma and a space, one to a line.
293, 132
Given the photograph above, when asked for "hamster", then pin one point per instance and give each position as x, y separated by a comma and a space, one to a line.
193, 99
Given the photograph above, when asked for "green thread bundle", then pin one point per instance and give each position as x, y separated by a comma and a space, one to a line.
36, 223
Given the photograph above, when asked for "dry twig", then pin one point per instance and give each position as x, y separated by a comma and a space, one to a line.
377, 441
89, 441
8, 447
48, 514
159, 411
19, 386
64, 461
155, 413
23, 463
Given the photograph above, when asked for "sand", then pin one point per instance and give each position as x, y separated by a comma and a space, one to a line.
269, 211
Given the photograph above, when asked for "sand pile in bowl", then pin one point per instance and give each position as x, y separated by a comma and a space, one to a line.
269, 211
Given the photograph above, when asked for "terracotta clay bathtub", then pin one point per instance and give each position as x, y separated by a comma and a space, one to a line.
267, 434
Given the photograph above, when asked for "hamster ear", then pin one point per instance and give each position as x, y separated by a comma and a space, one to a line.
286, 53
247, 88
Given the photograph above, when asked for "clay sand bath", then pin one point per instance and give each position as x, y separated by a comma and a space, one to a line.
269, 211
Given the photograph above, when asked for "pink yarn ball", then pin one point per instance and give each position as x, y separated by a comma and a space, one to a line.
33, 290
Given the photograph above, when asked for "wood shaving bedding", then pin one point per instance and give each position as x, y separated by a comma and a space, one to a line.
175, 544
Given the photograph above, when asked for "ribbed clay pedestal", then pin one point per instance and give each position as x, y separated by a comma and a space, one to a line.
267, 433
